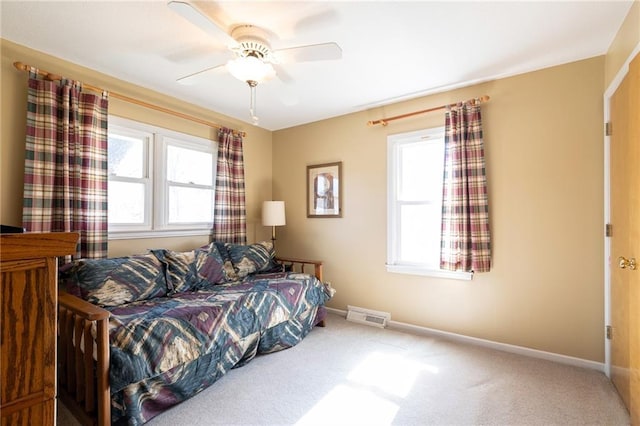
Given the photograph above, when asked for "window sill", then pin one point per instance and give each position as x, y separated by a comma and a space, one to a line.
436, 273
132, 235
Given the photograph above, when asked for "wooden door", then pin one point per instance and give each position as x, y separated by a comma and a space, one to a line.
625, 239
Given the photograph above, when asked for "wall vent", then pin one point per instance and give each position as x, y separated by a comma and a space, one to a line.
368, 316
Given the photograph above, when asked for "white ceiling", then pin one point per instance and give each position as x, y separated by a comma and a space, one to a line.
391, 50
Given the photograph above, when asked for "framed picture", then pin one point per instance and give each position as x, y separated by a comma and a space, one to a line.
324, 190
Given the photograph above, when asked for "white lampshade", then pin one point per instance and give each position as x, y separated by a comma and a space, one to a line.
273, 213
250, 68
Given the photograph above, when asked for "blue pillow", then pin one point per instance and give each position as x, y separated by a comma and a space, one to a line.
115, 281
213, 266
229, 269
249, 259
181, 272
195, 269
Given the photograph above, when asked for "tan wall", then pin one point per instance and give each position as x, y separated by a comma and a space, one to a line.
627, 38
543, 138
257, 143
543, 135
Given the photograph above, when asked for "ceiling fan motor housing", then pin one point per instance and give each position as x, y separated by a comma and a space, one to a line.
252, 41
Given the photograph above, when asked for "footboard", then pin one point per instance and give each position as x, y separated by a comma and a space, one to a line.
83, 359
300, 264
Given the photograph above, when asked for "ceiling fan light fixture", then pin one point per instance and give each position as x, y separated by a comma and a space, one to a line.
250, 68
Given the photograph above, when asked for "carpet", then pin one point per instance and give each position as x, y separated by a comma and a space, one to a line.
351, 374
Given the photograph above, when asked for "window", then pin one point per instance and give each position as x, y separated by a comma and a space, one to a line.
160, 181
415, 173
130, 185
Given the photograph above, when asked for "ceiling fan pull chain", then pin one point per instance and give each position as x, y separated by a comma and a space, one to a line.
252, 102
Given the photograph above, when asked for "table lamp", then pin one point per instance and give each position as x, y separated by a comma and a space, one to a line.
273, 215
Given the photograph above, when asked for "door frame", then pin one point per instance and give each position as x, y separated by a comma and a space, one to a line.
615, 83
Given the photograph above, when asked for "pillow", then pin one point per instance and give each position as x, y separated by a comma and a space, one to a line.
115, 281
181, 272
229, 270
195, 269
213, 267
248, 259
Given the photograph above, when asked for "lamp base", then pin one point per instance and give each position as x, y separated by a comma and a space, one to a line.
273, 237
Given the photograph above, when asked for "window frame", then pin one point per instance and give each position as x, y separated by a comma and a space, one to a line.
393, 264
156, 199
161, 209
147, 171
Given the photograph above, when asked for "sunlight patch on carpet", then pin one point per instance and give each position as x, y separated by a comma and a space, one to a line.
371, 392
346, 404
391, 373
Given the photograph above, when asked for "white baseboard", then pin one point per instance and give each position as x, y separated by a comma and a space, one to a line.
505, 347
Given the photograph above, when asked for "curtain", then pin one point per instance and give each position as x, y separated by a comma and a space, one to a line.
230, 222
65, 177
465, 238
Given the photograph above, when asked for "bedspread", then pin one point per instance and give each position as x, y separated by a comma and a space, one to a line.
173, 347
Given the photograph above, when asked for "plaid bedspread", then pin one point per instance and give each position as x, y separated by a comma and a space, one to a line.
166, 350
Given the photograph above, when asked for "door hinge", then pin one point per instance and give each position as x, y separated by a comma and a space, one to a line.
608, 332
608, 229
607, 128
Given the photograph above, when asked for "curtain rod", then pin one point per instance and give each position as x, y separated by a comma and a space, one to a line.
53, 77
385, 121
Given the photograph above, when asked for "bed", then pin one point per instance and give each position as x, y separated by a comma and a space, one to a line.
128, 352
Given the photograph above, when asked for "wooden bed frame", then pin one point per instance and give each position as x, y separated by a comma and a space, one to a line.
83, 375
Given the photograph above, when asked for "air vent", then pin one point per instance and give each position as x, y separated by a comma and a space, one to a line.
368, 316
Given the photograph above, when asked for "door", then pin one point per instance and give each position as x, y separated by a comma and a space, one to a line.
625, 239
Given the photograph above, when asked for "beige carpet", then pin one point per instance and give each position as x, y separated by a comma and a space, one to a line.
350, 374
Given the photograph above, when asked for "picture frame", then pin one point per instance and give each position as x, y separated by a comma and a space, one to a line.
324, 190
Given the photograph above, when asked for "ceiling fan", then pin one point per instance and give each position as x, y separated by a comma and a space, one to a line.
250, 56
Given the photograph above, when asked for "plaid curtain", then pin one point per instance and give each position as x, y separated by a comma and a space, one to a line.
65, 173
230, 216
465, 238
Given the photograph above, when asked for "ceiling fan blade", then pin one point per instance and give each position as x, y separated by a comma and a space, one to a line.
196, 77
312, 52
202, 21
282, 74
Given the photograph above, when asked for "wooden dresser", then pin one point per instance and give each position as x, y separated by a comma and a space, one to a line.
28, 311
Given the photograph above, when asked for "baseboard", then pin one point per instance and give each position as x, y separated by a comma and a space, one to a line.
505, 347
